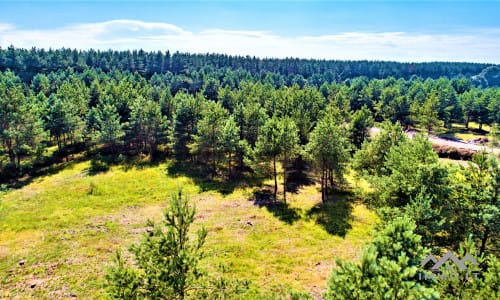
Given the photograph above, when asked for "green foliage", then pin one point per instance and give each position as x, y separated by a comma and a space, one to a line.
278, 140
426, 115
495, 135
166, 260
109, 129
489, 286
211, 90
63, 121
206, 144
361, 122
370, 158
20, 127
477, 282
187, 114
476, 200
250, 117
328, 148
388, 268
410, 170
147, 125
230, 145
219, 107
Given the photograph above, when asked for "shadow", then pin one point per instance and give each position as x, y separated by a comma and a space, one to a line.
281, 210
207, 181
334, 215
98, 165
37, 172
102, 161
141, 161
451, 134
298, 176
39, 166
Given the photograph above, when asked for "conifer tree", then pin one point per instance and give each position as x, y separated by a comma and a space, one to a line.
361, 122
328, 148
388, 268
278, 140
206, 142
166, 261
110, 130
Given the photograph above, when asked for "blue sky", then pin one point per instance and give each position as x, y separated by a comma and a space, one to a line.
381, 30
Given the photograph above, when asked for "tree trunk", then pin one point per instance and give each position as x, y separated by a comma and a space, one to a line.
229, 166
467, 120
330, 178
484, 239
323, 183
275, 179
12, 156
284, 178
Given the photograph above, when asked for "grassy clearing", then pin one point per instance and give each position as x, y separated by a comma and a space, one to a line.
458, 131
58, 233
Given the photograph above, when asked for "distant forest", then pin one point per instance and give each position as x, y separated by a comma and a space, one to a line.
27, 63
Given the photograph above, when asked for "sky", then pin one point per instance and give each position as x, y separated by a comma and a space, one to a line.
408, 31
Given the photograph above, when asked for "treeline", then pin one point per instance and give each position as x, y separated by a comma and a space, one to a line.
28, 63
204, 119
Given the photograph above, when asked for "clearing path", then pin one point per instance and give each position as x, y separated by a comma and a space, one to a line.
437, 141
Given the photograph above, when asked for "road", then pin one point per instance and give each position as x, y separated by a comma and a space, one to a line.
446, 142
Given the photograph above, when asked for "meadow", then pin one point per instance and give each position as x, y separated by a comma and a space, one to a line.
59, 232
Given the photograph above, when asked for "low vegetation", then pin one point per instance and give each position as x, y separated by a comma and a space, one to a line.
287, 181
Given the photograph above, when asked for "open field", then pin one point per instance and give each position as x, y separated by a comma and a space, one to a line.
458, 131
59, 232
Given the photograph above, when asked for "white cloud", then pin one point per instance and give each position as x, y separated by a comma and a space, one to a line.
479, 46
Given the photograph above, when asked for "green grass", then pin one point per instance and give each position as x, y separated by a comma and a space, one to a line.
66, 227
460, 132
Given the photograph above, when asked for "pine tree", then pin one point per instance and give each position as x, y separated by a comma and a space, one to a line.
278, 140
146, 125
289, 146
166, 261
187, 114
229, 142
427, 115
388, 268
361, 122
206, 142
328, 148
12, 112
110, 130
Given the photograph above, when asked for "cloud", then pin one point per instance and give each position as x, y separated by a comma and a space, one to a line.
481, 45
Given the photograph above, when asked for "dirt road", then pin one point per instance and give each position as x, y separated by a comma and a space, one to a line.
458, 144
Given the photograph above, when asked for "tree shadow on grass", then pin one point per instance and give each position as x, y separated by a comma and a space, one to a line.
298, 176
334, 215
102, 162
281, 210
207, 181
39, 170
15, 178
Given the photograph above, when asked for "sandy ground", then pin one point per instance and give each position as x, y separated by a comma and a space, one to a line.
459, 144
